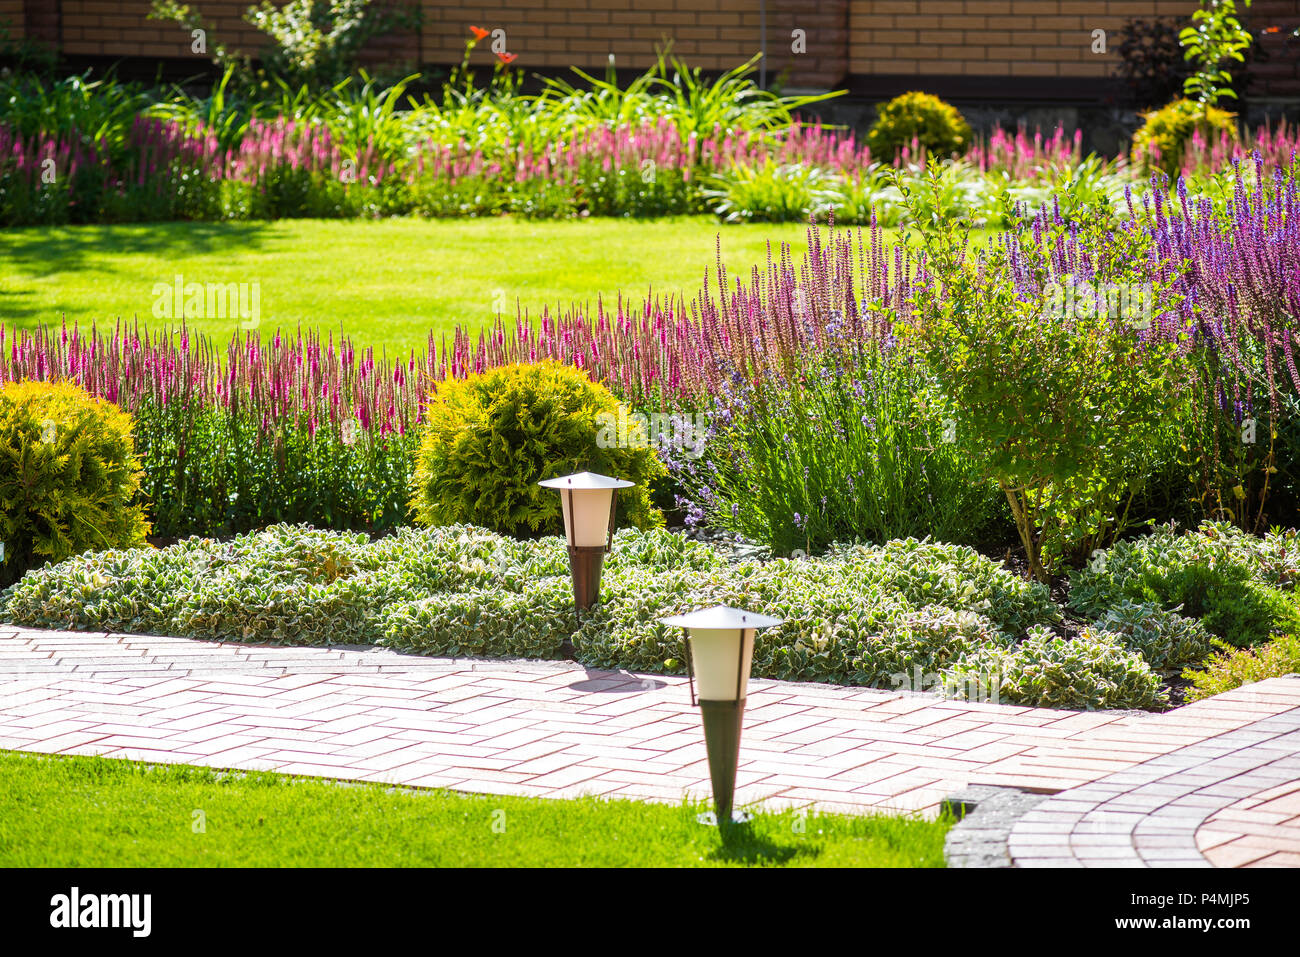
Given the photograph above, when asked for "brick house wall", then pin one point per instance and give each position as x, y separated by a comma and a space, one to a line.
869, 45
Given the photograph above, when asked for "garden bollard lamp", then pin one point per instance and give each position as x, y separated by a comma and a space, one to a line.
588, 501
720, 650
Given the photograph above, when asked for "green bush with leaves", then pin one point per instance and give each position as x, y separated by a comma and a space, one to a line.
914, 615
1090, 671
68, 476
939, 128
490, 438
1240, 587
309, 42
848, 447
1165, 639
1165, 133
532, 623
1230, 667
1062, 411
771, 193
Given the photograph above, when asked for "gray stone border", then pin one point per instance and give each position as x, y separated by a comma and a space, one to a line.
987, 815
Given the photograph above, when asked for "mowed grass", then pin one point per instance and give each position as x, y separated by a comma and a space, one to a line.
387, 283
97, 812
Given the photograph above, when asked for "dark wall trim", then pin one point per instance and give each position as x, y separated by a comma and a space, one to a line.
1071, 90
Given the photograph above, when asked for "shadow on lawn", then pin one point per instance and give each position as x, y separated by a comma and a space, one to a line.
42, 251
741, 845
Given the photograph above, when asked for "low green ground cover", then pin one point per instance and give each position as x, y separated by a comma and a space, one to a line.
913, 614
96, 812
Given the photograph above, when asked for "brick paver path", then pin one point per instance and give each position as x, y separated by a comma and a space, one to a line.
1219, 777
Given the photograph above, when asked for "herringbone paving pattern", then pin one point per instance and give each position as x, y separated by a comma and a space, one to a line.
554, 729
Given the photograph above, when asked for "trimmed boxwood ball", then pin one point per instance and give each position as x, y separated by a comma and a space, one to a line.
937, 125
1170, 129
68, 474
490, 438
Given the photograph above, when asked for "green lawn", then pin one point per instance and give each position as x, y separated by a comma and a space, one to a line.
96, 812
386, 282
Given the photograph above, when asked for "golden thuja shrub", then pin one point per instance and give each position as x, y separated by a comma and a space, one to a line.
68, 476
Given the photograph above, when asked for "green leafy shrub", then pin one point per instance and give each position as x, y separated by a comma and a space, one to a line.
489, 438
1230, 668
836, 626
925, 572
1164, 639
1240, 587
68, 476
912, 614
849, 447
1165, 133
1089, 672
937, 125
771, 193
528, 624
1002, 358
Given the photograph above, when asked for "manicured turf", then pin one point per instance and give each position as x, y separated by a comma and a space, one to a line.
387, 282
97, 812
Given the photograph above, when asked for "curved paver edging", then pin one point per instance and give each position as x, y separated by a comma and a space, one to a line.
988, 813
1150, 814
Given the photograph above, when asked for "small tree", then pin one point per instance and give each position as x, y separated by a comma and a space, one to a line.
1215, 39
1060, 407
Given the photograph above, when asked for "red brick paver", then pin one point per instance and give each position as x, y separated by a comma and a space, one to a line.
555, 729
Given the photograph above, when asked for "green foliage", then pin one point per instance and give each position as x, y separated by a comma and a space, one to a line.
1230, 668
1239, 587
770, 193
212, 470
938, 127
731, 102
490, 438
1165, 132
492, 622
1164, 639
311, 43
850, 447
1091, 671
1215, 39
68, 475
1062, 411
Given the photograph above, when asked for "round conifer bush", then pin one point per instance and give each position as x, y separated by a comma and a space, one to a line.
68, 476
1163, 137
934, 124
490, 438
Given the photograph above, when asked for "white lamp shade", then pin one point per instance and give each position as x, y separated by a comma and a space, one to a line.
591, 494
589, 525
715, 655
722, 648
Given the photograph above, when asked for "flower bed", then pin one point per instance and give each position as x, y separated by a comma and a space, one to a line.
910, 614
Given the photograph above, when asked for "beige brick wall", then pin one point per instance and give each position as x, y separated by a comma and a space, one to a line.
11, 18
122, 28
713, 36
1008, 38
1026, 38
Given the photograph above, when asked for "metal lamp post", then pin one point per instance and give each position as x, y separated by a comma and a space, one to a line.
720, 643
588, 501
